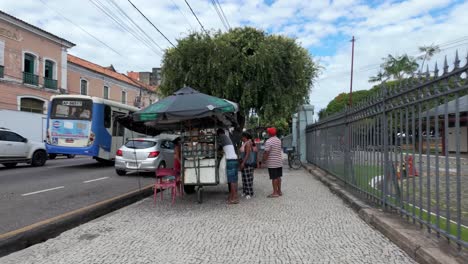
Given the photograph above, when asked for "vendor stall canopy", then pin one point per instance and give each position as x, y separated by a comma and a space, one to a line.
185, 109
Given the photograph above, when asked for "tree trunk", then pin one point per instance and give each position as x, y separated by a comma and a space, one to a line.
236, 135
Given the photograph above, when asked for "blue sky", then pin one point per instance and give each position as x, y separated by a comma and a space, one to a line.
381, 27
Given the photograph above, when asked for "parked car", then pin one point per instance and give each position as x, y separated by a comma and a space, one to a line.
145, 154
16, 149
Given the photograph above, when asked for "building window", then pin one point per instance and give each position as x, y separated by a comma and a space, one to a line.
49, 81
83, 87
106, 92
124, 97
29, 69
32, 105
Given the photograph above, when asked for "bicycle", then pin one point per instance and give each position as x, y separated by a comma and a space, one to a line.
294, 159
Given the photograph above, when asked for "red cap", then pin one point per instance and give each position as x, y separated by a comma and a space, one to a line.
271, 131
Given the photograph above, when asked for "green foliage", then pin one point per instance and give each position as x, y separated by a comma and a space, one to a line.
395, 68
269, 74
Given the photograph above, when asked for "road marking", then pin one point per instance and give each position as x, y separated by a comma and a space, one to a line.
41, 191
68, 214
98, 179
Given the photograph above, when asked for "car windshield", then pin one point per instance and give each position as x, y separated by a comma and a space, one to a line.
140, 144
71, 109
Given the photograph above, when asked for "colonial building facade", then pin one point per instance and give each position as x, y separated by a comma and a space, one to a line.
33, 65
88, 78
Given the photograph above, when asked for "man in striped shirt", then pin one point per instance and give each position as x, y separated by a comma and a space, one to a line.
273, 158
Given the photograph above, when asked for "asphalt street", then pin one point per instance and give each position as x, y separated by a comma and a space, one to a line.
32, 194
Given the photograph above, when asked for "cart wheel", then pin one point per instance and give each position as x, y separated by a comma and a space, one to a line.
200, 195
189, 189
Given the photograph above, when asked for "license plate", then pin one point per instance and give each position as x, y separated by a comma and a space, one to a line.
69, 140
132, 164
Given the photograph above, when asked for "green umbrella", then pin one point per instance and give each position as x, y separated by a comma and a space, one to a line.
186, 107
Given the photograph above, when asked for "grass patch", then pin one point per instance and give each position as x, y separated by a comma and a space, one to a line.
362, 176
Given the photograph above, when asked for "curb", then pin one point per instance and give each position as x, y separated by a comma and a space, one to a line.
415, 241
39, 232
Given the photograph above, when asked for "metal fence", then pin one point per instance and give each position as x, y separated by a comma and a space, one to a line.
405, 148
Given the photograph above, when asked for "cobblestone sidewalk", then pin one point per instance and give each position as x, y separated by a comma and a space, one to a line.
307, 225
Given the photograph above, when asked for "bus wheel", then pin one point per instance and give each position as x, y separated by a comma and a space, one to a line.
121, 172
52, 156
70, 156
104, 162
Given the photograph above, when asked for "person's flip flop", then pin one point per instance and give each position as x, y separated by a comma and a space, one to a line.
273, 196
233, 202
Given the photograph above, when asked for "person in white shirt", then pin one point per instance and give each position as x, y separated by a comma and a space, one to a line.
232, 165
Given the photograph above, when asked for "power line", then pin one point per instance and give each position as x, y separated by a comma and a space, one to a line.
149, 21
100, 41
182, 13
135, 24
224, 15
109, 13
195, 15
213, 3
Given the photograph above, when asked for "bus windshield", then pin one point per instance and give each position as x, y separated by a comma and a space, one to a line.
72, 108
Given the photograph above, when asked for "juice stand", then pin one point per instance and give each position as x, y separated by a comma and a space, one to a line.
195, 117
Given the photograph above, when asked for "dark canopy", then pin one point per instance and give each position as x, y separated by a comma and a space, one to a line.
184, 109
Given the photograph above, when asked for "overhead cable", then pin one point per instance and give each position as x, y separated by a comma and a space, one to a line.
195, 15
149, 21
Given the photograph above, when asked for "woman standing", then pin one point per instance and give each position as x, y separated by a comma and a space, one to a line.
247, 165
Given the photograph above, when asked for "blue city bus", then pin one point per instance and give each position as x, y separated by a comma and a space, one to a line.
85, 125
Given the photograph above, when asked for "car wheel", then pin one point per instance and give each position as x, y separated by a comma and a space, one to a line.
52, 156
10, 165
121, 172
162, 165
39, 158
70, 156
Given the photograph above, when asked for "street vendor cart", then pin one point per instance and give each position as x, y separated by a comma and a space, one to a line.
195, 117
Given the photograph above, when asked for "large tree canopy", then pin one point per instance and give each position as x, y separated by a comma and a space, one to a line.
271, 75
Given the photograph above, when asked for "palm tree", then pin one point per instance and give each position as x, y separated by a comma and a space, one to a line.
429, 52
395, 67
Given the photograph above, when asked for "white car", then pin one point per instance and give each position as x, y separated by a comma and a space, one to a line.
145, 154
16, 149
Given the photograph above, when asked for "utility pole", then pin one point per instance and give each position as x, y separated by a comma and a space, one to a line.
352, 64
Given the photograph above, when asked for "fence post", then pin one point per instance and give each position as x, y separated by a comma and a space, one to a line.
386, 164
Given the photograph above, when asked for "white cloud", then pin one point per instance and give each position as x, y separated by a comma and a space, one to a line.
390, 27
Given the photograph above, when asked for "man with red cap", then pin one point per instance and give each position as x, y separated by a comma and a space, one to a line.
273, 158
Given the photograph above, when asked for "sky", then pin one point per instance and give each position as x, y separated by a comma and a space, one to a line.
325, 28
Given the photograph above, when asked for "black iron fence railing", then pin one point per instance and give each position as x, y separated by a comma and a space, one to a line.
405, 148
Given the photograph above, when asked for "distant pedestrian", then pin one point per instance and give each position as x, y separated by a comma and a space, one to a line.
247, 165
231, 165
273, 159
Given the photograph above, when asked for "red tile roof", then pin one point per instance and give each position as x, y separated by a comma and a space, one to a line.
106, 71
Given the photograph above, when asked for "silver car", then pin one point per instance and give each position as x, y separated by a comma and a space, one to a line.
145, 154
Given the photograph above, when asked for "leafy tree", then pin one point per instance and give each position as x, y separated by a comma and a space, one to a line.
395, 68
429, 52
271, 75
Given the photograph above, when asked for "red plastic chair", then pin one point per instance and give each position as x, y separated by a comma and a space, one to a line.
162, 183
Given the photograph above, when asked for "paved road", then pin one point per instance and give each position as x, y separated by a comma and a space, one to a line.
29, 195
308, 224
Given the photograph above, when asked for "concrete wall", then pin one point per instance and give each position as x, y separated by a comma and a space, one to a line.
301, 120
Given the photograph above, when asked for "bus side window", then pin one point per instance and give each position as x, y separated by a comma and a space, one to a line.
107, 117
117, 129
